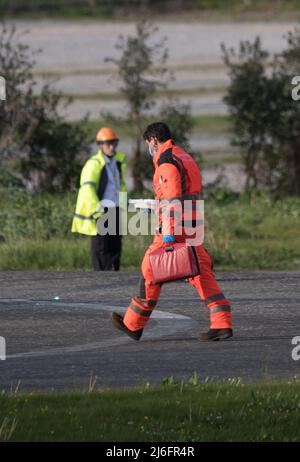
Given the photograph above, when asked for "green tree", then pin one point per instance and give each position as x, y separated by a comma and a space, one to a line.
142, 71
36, 144
266, 118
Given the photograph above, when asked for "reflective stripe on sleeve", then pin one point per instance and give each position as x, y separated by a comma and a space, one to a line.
92, 183
82, 217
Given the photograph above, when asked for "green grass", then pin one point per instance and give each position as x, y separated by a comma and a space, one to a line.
54, 254
217, 161
112, 70
192, 9
212, 124
253, 231
121, 126
116, 96
190, 411
64, 253
206, 124
242, 231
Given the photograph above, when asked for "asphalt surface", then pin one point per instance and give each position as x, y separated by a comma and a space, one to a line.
70, 343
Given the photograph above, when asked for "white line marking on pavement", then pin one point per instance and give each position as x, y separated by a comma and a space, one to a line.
98, 306
163, 329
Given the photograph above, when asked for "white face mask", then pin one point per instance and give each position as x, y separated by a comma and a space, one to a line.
150, 151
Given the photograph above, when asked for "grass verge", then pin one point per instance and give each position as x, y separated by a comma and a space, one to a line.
190, 411
112, 10
242, 231
218, 66
64, 254
117, 96
206, 124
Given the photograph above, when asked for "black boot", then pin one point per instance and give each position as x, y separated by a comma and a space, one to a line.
117, 321
214, 335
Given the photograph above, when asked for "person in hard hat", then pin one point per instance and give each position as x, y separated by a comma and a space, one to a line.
101, 180
177, 177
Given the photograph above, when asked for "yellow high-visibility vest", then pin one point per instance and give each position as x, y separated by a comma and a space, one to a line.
88, 202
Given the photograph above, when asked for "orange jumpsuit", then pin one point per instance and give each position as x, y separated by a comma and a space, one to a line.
177, 176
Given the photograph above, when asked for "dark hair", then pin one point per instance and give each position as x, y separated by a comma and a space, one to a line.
157, 130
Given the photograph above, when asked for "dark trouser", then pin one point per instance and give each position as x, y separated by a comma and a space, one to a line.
106, 250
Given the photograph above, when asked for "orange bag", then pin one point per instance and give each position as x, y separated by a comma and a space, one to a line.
177, 261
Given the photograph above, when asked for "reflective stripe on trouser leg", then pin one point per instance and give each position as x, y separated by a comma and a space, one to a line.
211, 293
220, 314
138, 313
141, 307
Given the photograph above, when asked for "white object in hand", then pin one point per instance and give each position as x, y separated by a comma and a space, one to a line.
148, 204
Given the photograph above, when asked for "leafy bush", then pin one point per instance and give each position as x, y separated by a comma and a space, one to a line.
266, 118
242, 231
36, 144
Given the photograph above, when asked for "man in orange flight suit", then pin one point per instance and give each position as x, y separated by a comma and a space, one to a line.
176, 176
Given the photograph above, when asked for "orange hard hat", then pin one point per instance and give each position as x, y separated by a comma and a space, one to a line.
106, 134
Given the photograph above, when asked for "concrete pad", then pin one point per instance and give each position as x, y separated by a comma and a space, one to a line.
71, 342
